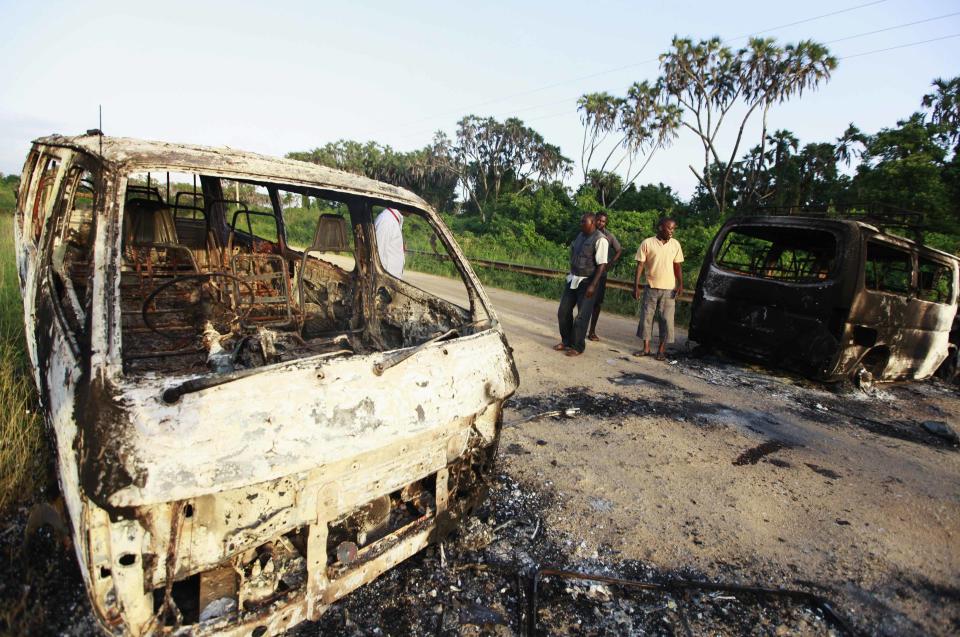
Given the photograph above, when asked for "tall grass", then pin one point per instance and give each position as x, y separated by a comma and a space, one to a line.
23, 450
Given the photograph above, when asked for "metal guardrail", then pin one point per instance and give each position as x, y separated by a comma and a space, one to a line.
547, 273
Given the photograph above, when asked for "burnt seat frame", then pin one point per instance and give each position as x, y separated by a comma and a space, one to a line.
261, 271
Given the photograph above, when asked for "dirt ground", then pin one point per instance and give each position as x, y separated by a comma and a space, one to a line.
715, 466
699, 467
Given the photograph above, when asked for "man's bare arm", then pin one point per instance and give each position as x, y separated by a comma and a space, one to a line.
592, 288
636, 280
678, 273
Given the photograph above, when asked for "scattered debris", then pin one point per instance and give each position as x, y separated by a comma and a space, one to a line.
638, 378
754, 454
601, 505
827, 473
941, 429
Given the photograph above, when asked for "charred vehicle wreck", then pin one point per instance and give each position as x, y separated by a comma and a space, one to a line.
248, 425
829, 298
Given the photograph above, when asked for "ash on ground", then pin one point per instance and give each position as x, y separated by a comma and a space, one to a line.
41, 590
478, 584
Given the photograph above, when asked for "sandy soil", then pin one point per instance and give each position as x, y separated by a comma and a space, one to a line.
741, 472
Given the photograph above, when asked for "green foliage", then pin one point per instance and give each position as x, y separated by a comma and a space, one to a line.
423, 171
651, 197
23, 448
944, 108
946, 242
708, 78
8, 192
525, 218
904, 167
547, 210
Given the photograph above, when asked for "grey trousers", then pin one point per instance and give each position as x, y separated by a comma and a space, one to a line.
660, 303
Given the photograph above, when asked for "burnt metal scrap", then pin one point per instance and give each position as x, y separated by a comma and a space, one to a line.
246, 430
534, 579
833, 299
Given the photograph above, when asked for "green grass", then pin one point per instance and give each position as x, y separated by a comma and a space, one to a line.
23, 448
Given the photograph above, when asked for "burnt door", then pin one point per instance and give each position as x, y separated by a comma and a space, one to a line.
881, 315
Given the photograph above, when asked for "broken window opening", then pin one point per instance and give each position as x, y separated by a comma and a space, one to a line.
409, 315
44, 197
887, 269
251, 216
23, 195
241, 274
71, 250
323, 246
791, 255
319, 226
426, 252
934, 281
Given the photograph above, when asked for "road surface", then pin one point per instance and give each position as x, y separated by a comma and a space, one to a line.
729, 470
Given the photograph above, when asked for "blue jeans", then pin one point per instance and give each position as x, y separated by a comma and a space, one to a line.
573, 332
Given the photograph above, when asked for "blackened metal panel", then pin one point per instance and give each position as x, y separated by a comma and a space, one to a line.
794, 325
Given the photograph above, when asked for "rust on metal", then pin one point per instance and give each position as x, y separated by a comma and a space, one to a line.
830, 298
245, 430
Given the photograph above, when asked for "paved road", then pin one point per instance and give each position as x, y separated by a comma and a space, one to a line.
531, 318
739, 472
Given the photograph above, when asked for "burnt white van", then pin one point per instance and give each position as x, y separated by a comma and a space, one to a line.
251, 417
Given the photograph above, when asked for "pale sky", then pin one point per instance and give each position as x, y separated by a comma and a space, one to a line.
282, 76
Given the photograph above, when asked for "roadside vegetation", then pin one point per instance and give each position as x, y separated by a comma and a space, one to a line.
504, 189
23, 466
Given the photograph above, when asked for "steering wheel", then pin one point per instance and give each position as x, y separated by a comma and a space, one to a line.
195, 307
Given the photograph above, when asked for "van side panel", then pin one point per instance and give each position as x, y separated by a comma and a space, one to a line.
897, 336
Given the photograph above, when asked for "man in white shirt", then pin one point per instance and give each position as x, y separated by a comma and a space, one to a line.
588, 262
389, 231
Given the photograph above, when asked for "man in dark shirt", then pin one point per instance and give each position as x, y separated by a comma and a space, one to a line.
614, 245
588, 261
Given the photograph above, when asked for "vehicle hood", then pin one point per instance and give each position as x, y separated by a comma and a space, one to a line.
290, 417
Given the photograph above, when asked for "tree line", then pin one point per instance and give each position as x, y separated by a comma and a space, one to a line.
492, 172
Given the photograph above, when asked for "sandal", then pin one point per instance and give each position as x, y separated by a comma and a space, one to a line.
640, 353
593, 337
560, 347
573, 352
661, 356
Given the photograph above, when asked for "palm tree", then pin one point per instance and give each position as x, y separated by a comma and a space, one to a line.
944, 107
707, 79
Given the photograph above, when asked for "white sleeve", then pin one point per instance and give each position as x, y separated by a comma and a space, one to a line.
389, 244
603, 247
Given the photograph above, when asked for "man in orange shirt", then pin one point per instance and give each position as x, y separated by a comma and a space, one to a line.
661, 256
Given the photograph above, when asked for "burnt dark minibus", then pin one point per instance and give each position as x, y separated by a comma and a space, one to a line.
829, 298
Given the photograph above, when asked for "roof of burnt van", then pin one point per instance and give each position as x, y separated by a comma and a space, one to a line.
130, 153
821, 221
